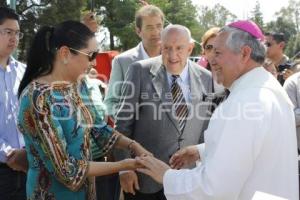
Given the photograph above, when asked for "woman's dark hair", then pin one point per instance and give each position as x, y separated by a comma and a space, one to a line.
47, 41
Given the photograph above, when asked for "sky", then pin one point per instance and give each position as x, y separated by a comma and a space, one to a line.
242, 8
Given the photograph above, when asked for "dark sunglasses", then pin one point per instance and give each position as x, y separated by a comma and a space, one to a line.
92, 16
208, 47
268, 44
91, 56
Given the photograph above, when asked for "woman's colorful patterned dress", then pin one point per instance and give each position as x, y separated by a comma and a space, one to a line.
58, 121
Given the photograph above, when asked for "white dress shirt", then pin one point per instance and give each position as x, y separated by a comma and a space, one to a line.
183, 81
10, 78
250, 147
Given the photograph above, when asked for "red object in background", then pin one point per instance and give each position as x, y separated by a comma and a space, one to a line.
103, 67
110, 121
103, 64
203, 62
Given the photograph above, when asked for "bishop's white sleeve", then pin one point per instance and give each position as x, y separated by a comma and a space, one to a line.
232, 144
201, 149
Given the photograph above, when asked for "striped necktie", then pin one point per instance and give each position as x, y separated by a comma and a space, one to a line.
179, 103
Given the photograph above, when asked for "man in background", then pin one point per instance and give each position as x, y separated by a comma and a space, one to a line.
275, 43
13, 162
149, 22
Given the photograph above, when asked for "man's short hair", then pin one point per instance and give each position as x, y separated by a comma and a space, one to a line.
238, 38
278, 37
148, 10
179, 28
7, 13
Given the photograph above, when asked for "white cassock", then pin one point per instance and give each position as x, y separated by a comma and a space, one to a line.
250, 146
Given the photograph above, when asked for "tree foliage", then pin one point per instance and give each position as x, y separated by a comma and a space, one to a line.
257, 15
291, 13
3, 3
293, 46
287, 22
216, 16
185, 13
47, 12
118, 18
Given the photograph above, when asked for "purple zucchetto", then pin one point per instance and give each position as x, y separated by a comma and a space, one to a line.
249, 27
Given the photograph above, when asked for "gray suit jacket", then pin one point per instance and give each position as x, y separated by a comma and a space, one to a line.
146, 115
120, 65
292, 87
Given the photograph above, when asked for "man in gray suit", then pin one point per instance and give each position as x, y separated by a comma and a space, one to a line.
149, 22
148, 112
292, 87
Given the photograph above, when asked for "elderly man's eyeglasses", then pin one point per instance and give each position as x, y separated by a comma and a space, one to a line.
91, 56
208, 47
11, 33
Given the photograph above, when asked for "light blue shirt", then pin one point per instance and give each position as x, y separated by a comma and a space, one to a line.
10, 78
184, 82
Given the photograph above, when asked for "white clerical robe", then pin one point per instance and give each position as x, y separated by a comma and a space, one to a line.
250, 146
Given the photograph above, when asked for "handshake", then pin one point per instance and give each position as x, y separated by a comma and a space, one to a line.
147, 164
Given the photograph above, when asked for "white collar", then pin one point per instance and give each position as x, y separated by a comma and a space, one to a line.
184, 75
144, 53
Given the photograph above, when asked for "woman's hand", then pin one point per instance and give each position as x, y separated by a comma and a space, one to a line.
131, 145
130, 164
138, 150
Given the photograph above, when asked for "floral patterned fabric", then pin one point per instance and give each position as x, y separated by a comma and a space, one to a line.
58, 122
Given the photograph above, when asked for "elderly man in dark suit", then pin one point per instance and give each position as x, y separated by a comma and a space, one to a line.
162, 106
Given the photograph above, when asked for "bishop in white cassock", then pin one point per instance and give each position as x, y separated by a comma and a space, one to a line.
250, 144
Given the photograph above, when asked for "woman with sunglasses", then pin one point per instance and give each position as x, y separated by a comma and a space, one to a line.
58, 118
207, 46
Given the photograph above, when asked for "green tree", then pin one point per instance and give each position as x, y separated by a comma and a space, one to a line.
257, 15
59, 11
185, 13
216, 16
118, 17
287, 22
291, 13
3, 3
46, 12
293, 46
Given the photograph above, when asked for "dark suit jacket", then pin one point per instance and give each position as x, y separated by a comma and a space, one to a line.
146, 114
